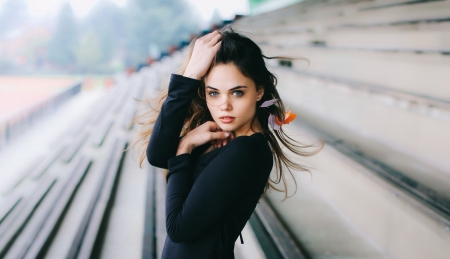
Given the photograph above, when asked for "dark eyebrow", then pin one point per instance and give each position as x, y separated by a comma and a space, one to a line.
234, 88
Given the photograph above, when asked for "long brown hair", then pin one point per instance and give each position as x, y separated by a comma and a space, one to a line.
247, 56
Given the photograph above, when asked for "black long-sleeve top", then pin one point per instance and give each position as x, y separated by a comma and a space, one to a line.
210, 196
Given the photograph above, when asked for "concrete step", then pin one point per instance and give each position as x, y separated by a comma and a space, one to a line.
343, 210
372, 124
403, 72
42, 138
425, 37
345, 13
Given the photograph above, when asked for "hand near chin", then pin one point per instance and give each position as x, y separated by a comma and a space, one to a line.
205, 48
207, 132
216, 143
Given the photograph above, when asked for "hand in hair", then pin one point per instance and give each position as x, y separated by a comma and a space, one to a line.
207, 132
205, 48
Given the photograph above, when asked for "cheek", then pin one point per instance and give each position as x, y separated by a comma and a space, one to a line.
212, 110
246, 107
215, 112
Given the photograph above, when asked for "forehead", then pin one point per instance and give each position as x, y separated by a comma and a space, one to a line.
226, 76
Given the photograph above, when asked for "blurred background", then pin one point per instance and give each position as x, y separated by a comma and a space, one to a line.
376, 90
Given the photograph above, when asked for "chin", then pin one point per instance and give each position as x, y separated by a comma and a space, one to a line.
227, 127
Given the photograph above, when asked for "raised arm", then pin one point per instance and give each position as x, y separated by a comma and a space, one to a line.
166, 132
165, 137
235, 172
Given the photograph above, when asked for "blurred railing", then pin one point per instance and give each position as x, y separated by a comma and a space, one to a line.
18, 122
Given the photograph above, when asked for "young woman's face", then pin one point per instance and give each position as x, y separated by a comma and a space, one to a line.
231, 98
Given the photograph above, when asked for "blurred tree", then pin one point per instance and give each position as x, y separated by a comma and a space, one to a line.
158, 22
34, 50
13, 13
106, 20
61, 50
89, 53
106, 39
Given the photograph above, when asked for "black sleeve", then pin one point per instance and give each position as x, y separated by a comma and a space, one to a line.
165, 137
192, 209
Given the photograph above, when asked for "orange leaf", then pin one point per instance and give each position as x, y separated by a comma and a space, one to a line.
286, 115
277, 121
290, 118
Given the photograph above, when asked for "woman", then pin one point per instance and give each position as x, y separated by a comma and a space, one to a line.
212, 134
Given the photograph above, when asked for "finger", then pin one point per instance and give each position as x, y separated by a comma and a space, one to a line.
213, 126
215, 40
217, 46
206, 36
219, 135
209, 36
230, 138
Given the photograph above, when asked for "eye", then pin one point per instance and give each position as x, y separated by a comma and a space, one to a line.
238, 93
213, 94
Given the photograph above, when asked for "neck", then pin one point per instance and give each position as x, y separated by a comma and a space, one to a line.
246, 130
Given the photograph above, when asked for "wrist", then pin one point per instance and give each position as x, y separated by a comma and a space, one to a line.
192, 75
184, 147
183, 151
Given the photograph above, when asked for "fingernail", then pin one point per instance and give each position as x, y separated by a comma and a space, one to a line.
227, 134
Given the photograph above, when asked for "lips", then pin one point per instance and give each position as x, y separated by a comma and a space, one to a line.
226, 119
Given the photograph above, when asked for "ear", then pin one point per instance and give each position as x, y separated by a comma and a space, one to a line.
259, 92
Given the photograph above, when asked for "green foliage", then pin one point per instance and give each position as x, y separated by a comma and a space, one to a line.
34, 51
61, 50
105, 40
156, 22
89, 54
106, 20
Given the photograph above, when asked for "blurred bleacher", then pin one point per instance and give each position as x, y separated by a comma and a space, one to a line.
375, 91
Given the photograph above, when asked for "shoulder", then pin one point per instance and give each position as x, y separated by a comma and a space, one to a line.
249, 148
251, 156
243, 143
256, 141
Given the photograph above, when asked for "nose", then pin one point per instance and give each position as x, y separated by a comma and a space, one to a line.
226, 105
